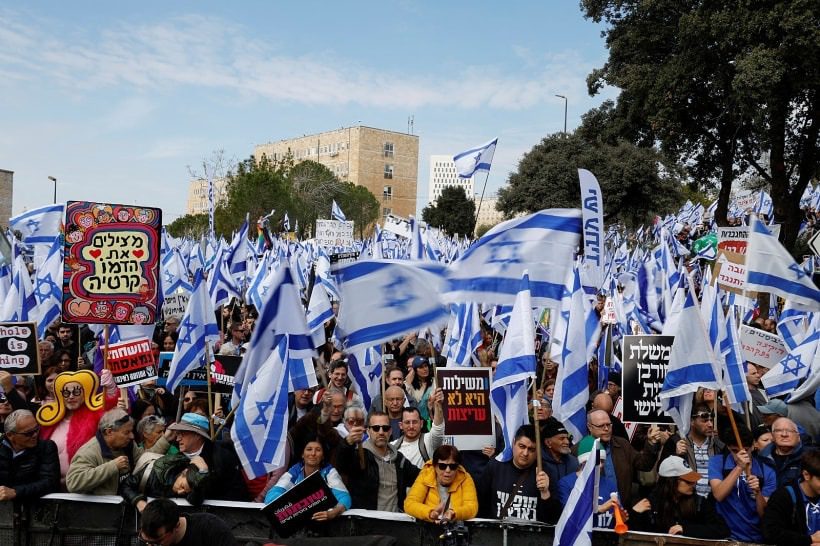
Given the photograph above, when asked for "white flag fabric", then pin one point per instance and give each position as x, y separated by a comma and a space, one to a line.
40, 225
319, 312
784, 377
574, 527
475, 159
48, 289
336, 212
543, 243
592, 207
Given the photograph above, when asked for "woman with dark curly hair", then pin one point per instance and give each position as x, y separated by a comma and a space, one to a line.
443, 490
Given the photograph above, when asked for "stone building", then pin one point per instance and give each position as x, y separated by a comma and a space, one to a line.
488, 215
6, 196
385, 162
198, 195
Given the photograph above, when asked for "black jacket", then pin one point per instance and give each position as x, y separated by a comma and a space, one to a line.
706, 522
499, 480
364, 484
225, 479
34, 473
784, 521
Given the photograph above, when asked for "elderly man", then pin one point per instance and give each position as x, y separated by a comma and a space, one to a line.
105, 460
602, 400
225, 476
378, 480
29, 467
558, 460
416, 446
353, 417
802, 413
395, 378
622, 460
784, 453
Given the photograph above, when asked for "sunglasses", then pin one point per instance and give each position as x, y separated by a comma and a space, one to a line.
380, 428
3, 398
446, 466
29, 433
704, 416
76, 391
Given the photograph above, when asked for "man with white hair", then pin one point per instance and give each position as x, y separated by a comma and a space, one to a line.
29, 467
784, 453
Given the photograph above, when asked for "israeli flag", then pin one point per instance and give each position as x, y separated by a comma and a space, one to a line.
221, 287
770, 268
464, 335
793, 325
574, 527
281, 314
516, 366
19, 298
383, 300
366, 369
475, 159
691, 365
416, 242
48, 289
543, 243
319, 311
784, 377
237, 256
40, 225
336, 212
286, 222
324, 277
197, 328
571, 383
734, 371
174, 274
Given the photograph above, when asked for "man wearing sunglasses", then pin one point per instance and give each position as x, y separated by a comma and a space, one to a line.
699, 445
29, 467
379, 478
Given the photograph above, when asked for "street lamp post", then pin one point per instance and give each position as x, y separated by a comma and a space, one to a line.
565, 112
55, 188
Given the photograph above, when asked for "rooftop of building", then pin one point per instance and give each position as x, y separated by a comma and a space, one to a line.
341, 129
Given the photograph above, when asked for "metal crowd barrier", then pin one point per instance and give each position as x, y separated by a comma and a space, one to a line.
84, 520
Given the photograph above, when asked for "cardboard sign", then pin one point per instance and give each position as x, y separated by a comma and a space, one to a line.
294, 509
745, 199
223, 373
334, 233
398, 226
18, 348
132, 362
729, 273
175, 305
467, 409
645, 360
761, 348
111, 263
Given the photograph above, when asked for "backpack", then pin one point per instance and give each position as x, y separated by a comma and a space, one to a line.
422, 447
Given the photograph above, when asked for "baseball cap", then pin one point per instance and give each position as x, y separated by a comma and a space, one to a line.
193, 422
774, 406
674, 467
420, 361
553, 427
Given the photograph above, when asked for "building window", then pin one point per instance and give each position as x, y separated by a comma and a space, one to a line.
387, 194
388, 171
388, 149
386, 211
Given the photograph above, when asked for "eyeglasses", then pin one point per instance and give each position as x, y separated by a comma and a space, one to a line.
357, 422
784, 431
382, 428
76, 391
446, 466
603, 426
704, 416
3, 398
28, 434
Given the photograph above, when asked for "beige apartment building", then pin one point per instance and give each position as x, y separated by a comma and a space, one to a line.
488, 215
6, 196
198, 195
385, 162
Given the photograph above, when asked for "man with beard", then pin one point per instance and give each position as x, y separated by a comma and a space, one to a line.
698, 446
558, 460
415, 445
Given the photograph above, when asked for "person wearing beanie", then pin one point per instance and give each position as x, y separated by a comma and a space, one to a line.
556, 457
675, 509
741, 496
607, 487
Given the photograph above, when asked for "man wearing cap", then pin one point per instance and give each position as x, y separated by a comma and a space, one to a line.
225, 480
558, 460
784, 453
106, 460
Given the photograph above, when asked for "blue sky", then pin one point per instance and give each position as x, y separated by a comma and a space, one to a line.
116, 100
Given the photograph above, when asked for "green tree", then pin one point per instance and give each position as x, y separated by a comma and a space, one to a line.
481, 230
360, 206
635, 182
728, 88
194, 226
454, 212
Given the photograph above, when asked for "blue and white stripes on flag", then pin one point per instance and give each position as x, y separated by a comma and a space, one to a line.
416, 244
281, 314
770, 268
198, 327
365, 369
516, 366
475, 159
19, 298
336, 212
286, 222
734, 371
221, 286
764, 204
40, 225
48, 288
464, 335
260, 429
319, 311
324, 276
237, 256
174, 274
691, 365
592, 207
574, 527
793, 325
785, 376
571, 383
543, 243
382, 300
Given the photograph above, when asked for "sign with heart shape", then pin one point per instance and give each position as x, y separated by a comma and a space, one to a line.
111, 268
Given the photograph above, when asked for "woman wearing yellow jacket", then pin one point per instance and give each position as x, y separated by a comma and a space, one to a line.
441, 479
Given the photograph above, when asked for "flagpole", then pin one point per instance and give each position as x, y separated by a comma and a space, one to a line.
208, 379
536, 405
227, 418
481, 200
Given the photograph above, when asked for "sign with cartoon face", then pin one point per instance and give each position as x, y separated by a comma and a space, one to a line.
111, 263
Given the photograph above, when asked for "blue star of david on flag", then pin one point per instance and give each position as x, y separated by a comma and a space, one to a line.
798, 364
397, 295
505, 253
262, 408
798, 271
46, 287
33, 225
190, 329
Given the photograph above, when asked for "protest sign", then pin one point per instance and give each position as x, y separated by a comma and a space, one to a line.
467, 409
332, 233
132, 362
295, 507
342, 258
398, 226
735, 239
645, 360
729, 273
745, 199
18, 348
761, 348
111, 263
175, 305
223, 372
